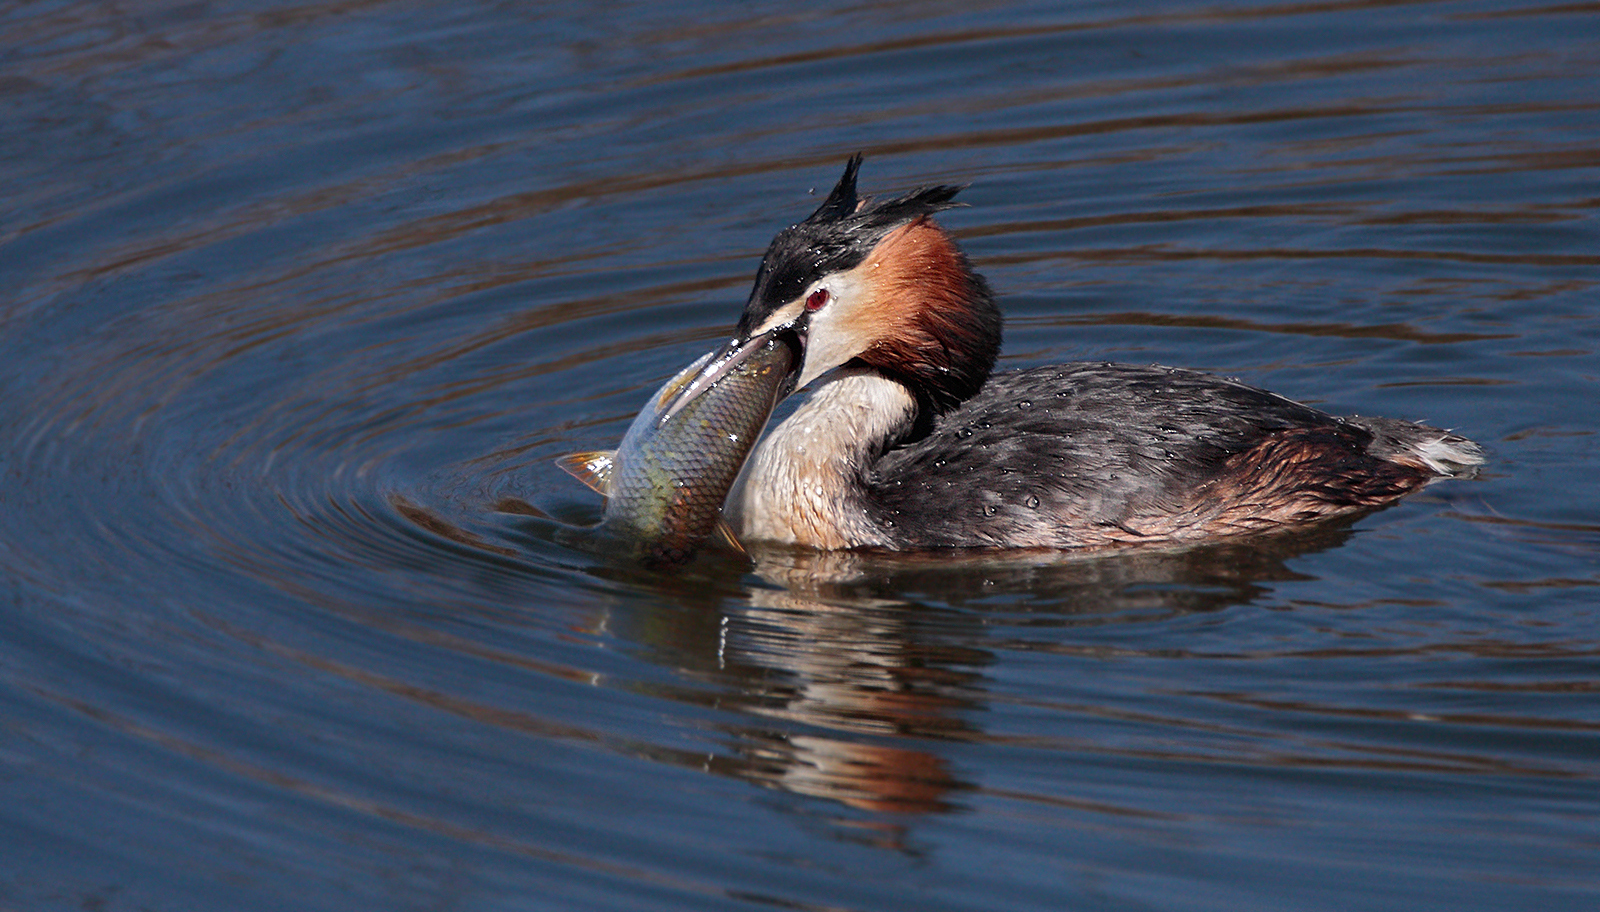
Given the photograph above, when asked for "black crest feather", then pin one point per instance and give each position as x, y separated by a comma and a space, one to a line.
836, 237
842, 201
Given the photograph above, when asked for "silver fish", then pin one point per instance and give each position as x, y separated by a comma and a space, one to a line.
665, 483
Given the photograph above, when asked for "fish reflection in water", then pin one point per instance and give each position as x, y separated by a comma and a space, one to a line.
665, 483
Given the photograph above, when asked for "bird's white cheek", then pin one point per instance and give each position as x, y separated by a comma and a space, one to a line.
826, 348
838, 331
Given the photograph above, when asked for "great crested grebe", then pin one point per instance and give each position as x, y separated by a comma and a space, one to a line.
908, 442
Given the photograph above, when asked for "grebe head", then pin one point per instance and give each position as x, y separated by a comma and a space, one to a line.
878, 284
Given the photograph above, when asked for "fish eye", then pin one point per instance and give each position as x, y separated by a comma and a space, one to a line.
816, 300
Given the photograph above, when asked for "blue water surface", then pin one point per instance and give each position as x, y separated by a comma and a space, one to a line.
300, 301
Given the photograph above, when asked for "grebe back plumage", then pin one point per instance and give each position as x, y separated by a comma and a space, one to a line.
908, 442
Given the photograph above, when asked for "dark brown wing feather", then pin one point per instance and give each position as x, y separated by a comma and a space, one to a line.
1088, 454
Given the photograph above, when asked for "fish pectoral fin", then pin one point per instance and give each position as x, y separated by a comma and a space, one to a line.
725, 535
593, 469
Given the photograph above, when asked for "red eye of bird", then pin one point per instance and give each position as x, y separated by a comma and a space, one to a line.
816, 299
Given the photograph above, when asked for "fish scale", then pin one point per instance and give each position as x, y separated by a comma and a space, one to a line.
665, 483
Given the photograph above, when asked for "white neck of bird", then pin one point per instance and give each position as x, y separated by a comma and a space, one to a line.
802, 484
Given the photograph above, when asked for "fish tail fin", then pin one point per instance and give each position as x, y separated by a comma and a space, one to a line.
593, 469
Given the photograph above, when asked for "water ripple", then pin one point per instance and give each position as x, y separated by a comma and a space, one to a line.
301, 302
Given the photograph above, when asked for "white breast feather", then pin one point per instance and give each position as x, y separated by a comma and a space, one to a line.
800, 485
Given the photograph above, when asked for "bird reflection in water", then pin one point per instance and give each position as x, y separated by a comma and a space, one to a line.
852, 688
855, 688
